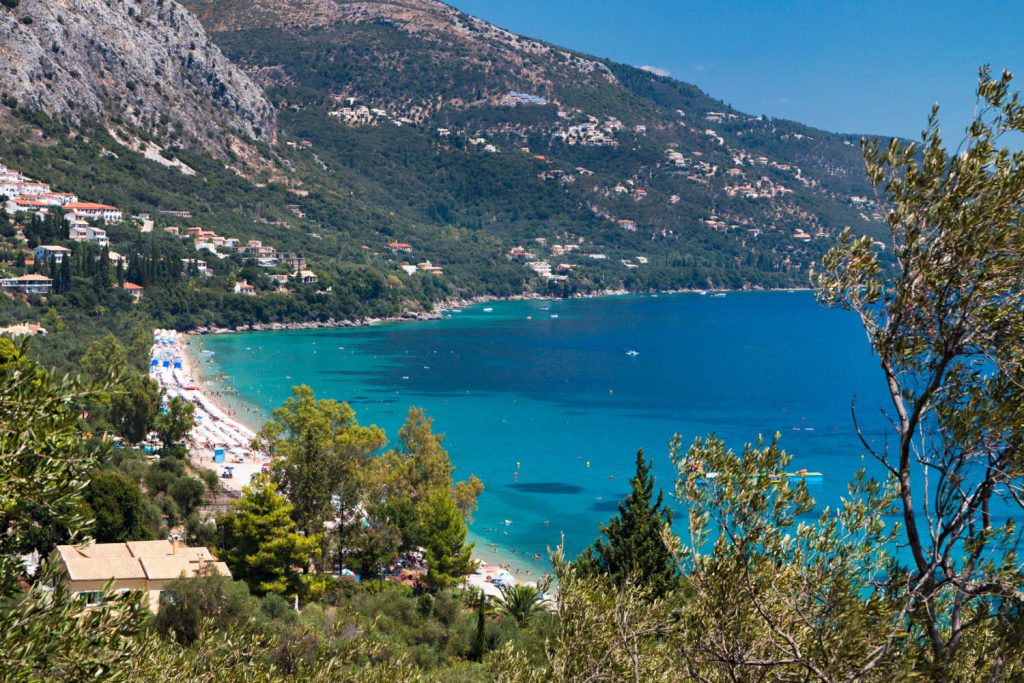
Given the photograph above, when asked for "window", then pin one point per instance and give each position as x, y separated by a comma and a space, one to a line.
92, 598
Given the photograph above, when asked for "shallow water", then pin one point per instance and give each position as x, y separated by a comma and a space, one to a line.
549, 412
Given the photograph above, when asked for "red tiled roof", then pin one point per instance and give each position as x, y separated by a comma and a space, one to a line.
82, 206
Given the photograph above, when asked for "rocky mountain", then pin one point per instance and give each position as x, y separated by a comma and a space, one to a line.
144, 66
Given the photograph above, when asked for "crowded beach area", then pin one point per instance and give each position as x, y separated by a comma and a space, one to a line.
219, 441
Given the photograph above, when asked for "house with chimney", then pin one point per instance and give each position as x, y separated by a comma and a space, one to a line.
148, 567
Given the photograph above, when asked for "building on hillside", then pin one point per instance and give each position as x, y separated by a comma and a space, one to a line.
27, 284
47, 252
23, 329
292, 261
146, 566
306, 277
94, 212
408, 268
428, 267
200, 266
400, 247
243, 287
133, 289
88, 233
18, 205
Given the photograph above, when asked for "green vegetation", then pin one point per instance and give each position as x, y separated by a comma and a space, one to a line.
634, 548
260, 542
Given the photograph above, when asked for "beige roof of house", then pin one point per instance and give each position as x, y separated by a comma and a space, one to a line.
153, 560
88, 569
105, 551
150, 548
173, 567
199, 555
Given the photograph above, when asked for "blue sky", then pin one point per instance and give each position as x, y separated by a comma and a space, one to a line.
854, 67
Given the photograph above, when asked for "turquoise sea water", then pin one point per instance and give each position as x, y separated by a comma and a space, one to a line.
516, 389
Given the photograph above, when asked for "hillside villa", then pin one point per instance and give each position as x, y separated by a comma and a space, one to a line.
135, 290
47, 252
243, 287
83, 232
147, 566
91, 211
27, 284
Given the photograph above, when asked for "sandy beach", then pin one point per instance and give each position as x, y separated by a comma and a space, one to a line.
220, 441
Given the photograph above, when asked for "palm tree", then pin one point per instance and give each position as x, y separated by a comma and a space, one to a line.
521, 602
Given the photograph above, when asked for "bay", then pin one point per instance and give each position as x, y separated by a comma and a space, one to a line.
543, 402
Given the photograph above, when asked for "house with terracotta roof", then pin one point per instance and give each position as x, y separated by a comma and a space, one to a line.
243, 287
400, 247
135, 290
146, 566
27, 284
93, 211
19, 205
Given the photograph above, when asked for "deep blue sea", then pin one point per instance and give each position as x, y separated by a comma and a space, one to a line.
548, 391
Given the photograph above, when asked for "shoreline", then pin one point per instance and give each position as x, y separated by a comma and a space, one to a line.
439, 309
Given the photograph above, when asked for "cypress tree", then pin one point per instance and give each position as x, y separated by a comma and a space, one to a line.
480, 641
632, 544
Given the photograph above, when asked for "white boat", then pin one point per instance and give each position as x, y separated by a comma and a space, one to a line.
488, 309
632, 352
554, 315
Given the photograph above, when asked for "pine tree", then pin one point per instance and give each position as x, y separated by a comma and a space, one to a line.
633, 544
444, 537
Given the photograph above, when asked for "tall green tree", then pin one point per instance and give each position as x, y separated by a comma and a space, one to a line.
118, 507
420, 467
320, 452
633, 542
175, 424
260, 541
134, 406
444, 537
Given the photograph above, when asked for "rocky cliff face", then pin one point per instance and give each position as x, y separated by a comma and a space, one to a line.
140, 63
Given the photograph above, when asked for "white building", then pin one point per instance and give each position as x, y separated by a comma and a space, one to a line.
88, 233
91, 211
27, 284
47, 252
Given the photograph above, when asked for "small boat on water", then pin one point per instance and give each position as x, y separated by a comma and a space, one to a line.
632, 352
554, 315
718, 295
804, 474
488, 309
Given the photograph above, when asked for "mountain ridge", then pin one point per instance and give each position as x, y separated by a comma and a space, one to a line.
146, 67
